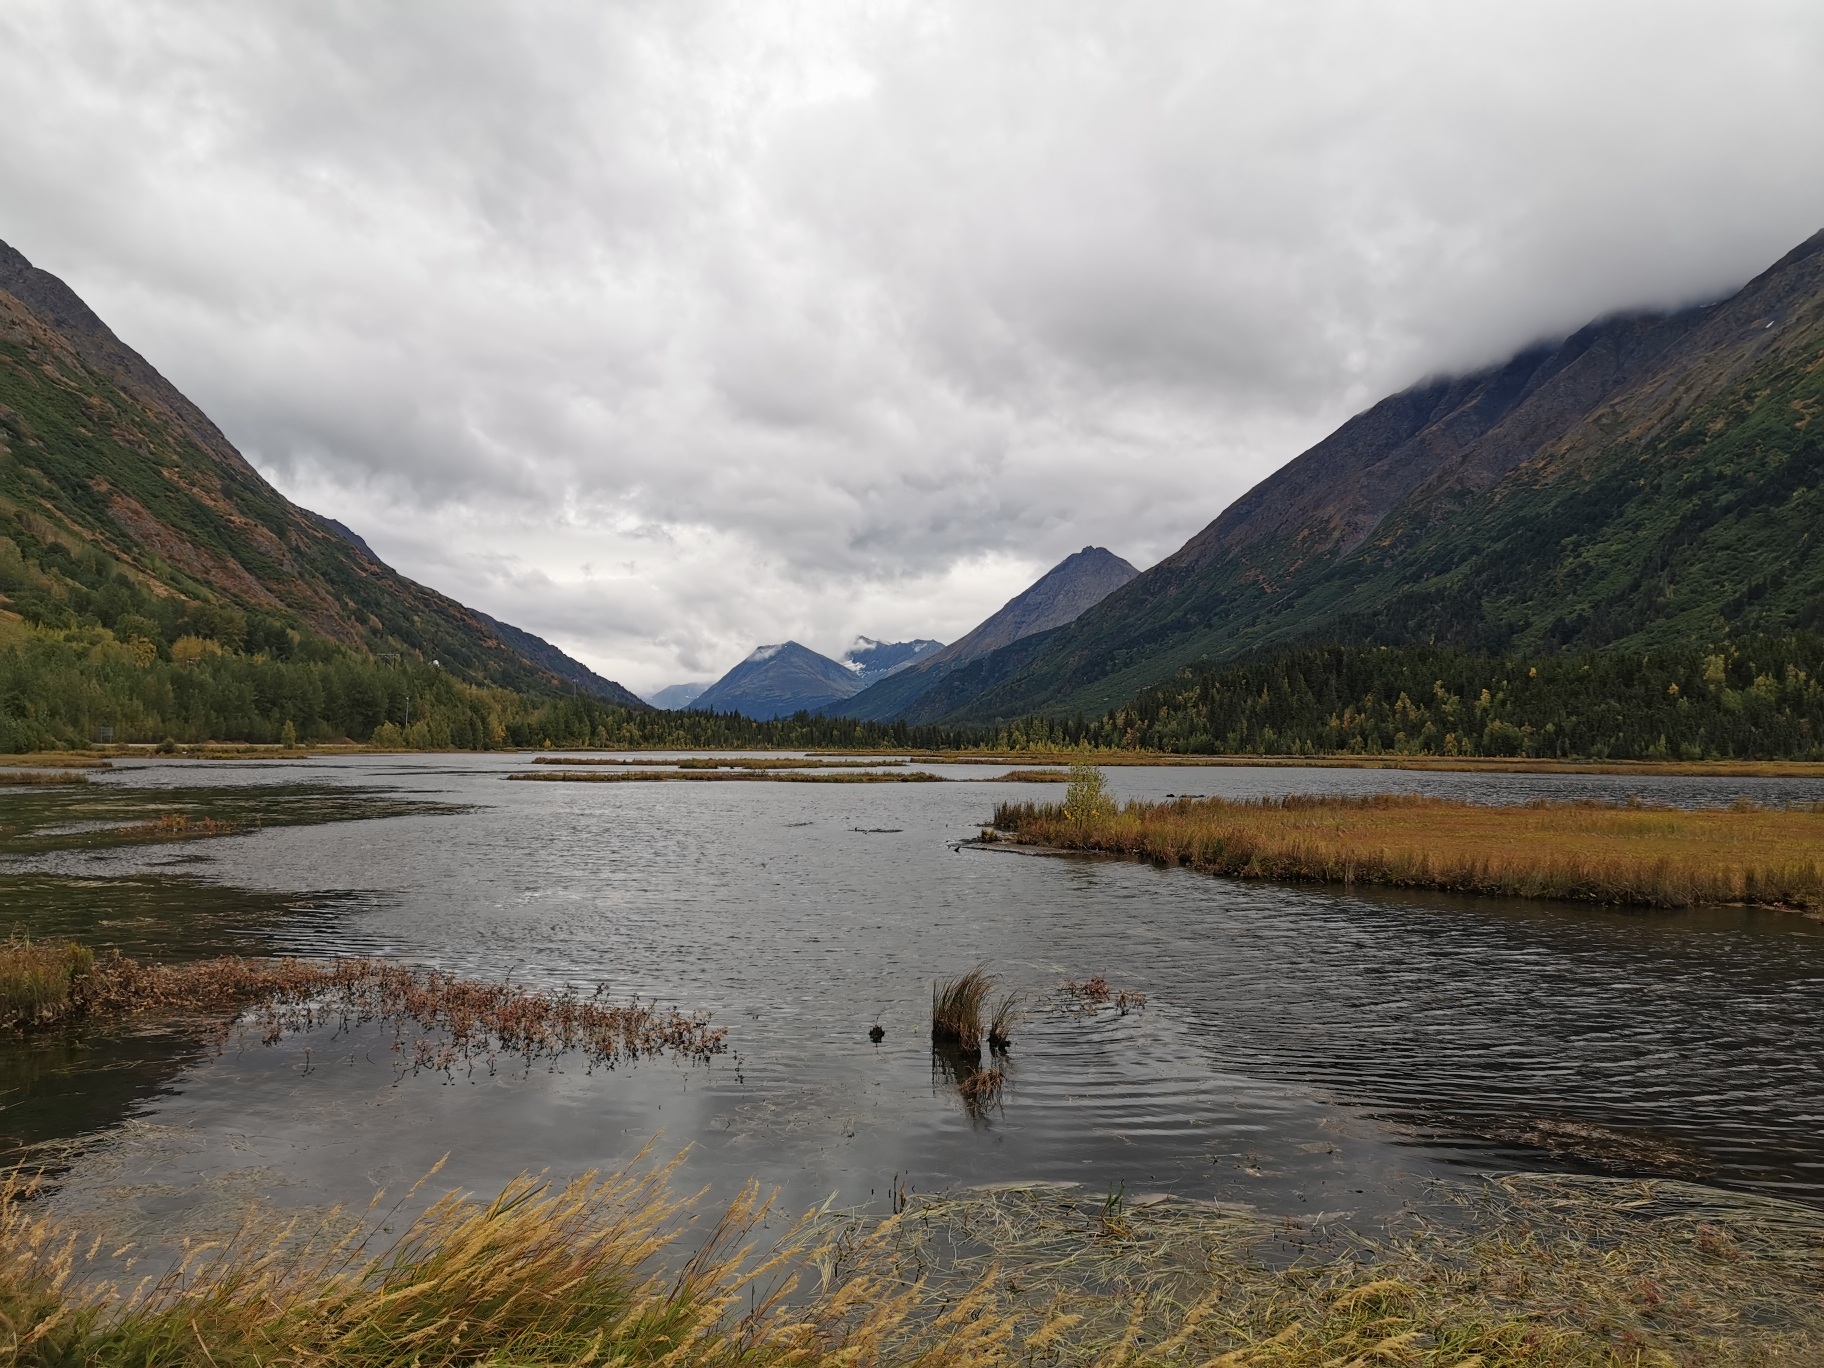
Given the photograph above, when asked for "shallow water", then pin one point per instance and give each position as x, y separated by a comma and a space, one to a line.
1312, 1052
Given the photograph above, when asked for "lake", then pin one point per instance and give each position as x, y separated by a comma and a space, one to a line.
1319, 1053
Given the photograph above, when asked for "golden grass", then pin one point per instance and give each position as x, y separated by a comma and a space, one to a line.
476, 1022
1592, 852
1538, 1274
37, 979
1031, 776
28, 778
765, 776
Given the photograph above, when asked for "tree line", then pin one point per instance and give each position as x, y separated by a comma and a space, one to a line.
1761, 697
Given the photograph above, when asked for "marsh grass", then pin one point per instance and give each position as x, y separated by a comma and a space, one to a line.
1628, 853
1000, 1024
1094, 993
38, 980
33, 778
1529, 1272
1031, 776
956, 1009
177, 826
471, 1023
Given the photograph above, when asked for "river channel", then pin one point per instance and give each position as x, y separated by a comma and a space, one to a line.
1318, 1053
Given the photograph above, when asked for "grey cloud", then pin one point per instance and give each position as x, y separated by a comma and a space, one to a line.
803, 321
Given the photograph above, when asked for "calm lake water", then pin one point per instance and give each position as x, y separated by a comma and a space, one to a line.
1318, 1053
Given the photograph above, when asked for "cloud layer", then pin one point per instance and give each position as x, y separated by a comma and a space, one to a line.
663, 330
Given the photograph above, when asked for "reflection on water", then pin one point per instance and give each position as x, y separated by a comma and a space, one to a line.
1303, 1050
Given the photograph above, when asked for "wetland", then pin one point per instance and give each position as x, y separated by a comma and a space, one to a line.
1332, 1067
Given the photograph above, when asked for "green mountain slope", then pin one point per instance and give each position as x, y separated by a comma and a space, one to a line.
120, 500
1653, 481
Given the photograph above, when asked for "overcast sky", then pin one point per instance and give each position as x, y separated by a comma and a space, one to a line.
663, 330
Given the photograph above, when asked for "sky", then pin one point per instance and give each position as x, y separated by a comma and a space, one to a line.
664, 330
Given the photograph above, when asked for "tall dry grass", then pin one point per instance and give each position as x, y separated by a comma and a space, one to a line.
1593, 852
956, 1009
38, 980
613, 1271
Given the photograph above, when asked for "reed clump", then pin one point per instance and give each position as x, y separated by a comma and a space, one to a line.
473, 1021
956, 1009
1537, 1273
38, 981
1624, 853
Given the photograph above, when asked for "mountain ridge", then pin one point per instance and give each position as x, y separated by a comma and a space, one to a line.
777, 681
109, 465
1062, 594
1624, 486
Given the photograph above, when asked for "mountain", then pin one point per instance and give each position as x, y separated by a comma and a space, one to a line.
777, 681
676, 696
121, 501
1075, 584
875, 660
1652, 480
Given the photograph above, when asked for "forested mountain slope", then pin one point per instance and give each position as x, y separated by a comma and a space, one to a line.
1652, 481
122, 504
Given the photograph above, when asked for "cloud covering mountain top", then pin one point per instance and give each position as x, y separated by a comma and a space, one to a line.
661, 329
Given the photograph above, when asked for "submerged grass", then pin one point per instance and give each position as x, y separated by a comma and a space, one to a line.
473, 1021
1539, 1273
1596, 852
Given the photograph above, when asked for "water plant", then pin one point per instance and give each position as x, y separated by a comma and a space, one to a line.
476, 1022
38, 981
956, 1009
1000, 1024
1588, 851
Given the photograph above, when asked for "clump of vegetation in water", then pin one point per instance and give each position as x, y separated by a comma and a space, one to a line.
477, 1022
1629, 853
1094, 993
38, 981
1537, 1273
956, 1010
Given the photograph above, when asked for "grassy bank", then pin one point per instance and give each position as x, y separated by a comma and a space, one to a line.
1593, 852
1539, 1274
